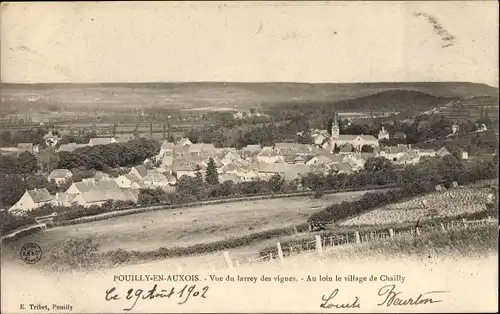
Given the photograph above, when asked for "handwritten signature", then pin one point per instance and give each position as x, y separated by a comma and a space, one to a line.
183, 295
391, 297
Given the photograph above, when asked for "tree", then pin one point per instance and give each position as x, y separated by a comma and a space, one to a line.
211, 176
27, 163
367, 149
276, 183
377, 164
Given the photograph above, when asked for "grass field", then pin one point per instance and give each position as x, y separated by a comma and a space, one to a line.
184, 227
458, 263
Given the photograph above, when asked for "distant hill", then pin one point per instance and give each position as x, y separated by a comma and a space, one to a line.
393, 100
237, 95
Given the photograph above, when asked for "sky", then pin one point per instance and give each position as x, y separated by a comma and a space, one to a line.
336, 42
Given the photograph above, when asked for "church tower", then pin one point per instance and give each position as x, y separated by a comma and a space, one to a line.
335, 128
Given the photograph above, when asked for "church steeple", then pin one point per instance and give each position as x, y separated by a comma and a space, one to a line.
335, 127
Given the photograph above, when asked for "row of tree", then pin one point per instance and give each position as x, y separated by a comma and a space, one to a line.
103, 157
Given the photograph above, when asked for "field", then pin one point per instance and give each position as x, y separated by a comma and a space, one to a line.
184, 227
460, 276
451, 202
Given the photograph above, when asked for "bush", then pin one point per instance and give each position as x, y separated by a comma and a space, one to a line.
74, 253
319, 194
9, 222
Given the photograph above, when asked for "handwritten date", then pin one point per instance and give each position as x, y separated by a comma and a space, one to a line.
183, 295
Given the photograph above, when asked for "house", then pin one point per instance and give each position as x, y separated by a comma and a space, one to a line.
52, 139
99, 175
346, 149
184, 142
287, 171
63, 199
246, 174
408, 158
229, 168
167, 148
399, 136
230, 157
383, 134
326, 159
251, 150
186, 169
102, 141
167, 160
89, 198
60, 175
32, 199
155, 179
267, 155
343, 167
124, 138
80, 187
70, 147
393, 153
171, 180
320, 140
422, 152
292, 148
202, 148
129, 181
357, 141
481, 127
229, 177
139, 171
442, 152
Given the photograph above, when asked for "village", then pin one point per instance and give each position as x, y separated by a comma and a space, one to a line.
331, 152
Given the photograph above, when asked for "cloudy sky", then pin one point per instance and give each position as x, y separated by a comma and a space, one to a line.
249, 42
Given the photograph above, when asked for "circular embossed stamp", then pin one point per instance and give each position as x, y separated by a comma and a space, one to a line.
31, 253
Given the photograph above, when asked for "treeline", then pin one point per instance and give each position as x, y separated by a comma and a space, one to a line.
264, 131
35, 136
377, 171
104, 157
413, 180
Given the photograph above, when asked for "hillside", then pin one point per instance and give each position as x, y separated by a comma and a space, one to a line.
217, 94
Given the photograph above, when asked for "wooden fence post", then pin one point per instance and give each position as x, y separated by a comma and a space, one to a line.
229, 262
391, 233
270, 256
358, 238
442, 227
319, 248
417, 230
280, 252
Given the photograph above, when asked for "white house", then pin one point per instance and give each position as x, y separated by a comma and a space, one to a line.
60, 176
383, 134
268, 155
102, 141
139, 171
129, 181
63, 199
184, 142
357, 141
32, 199
89, 198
